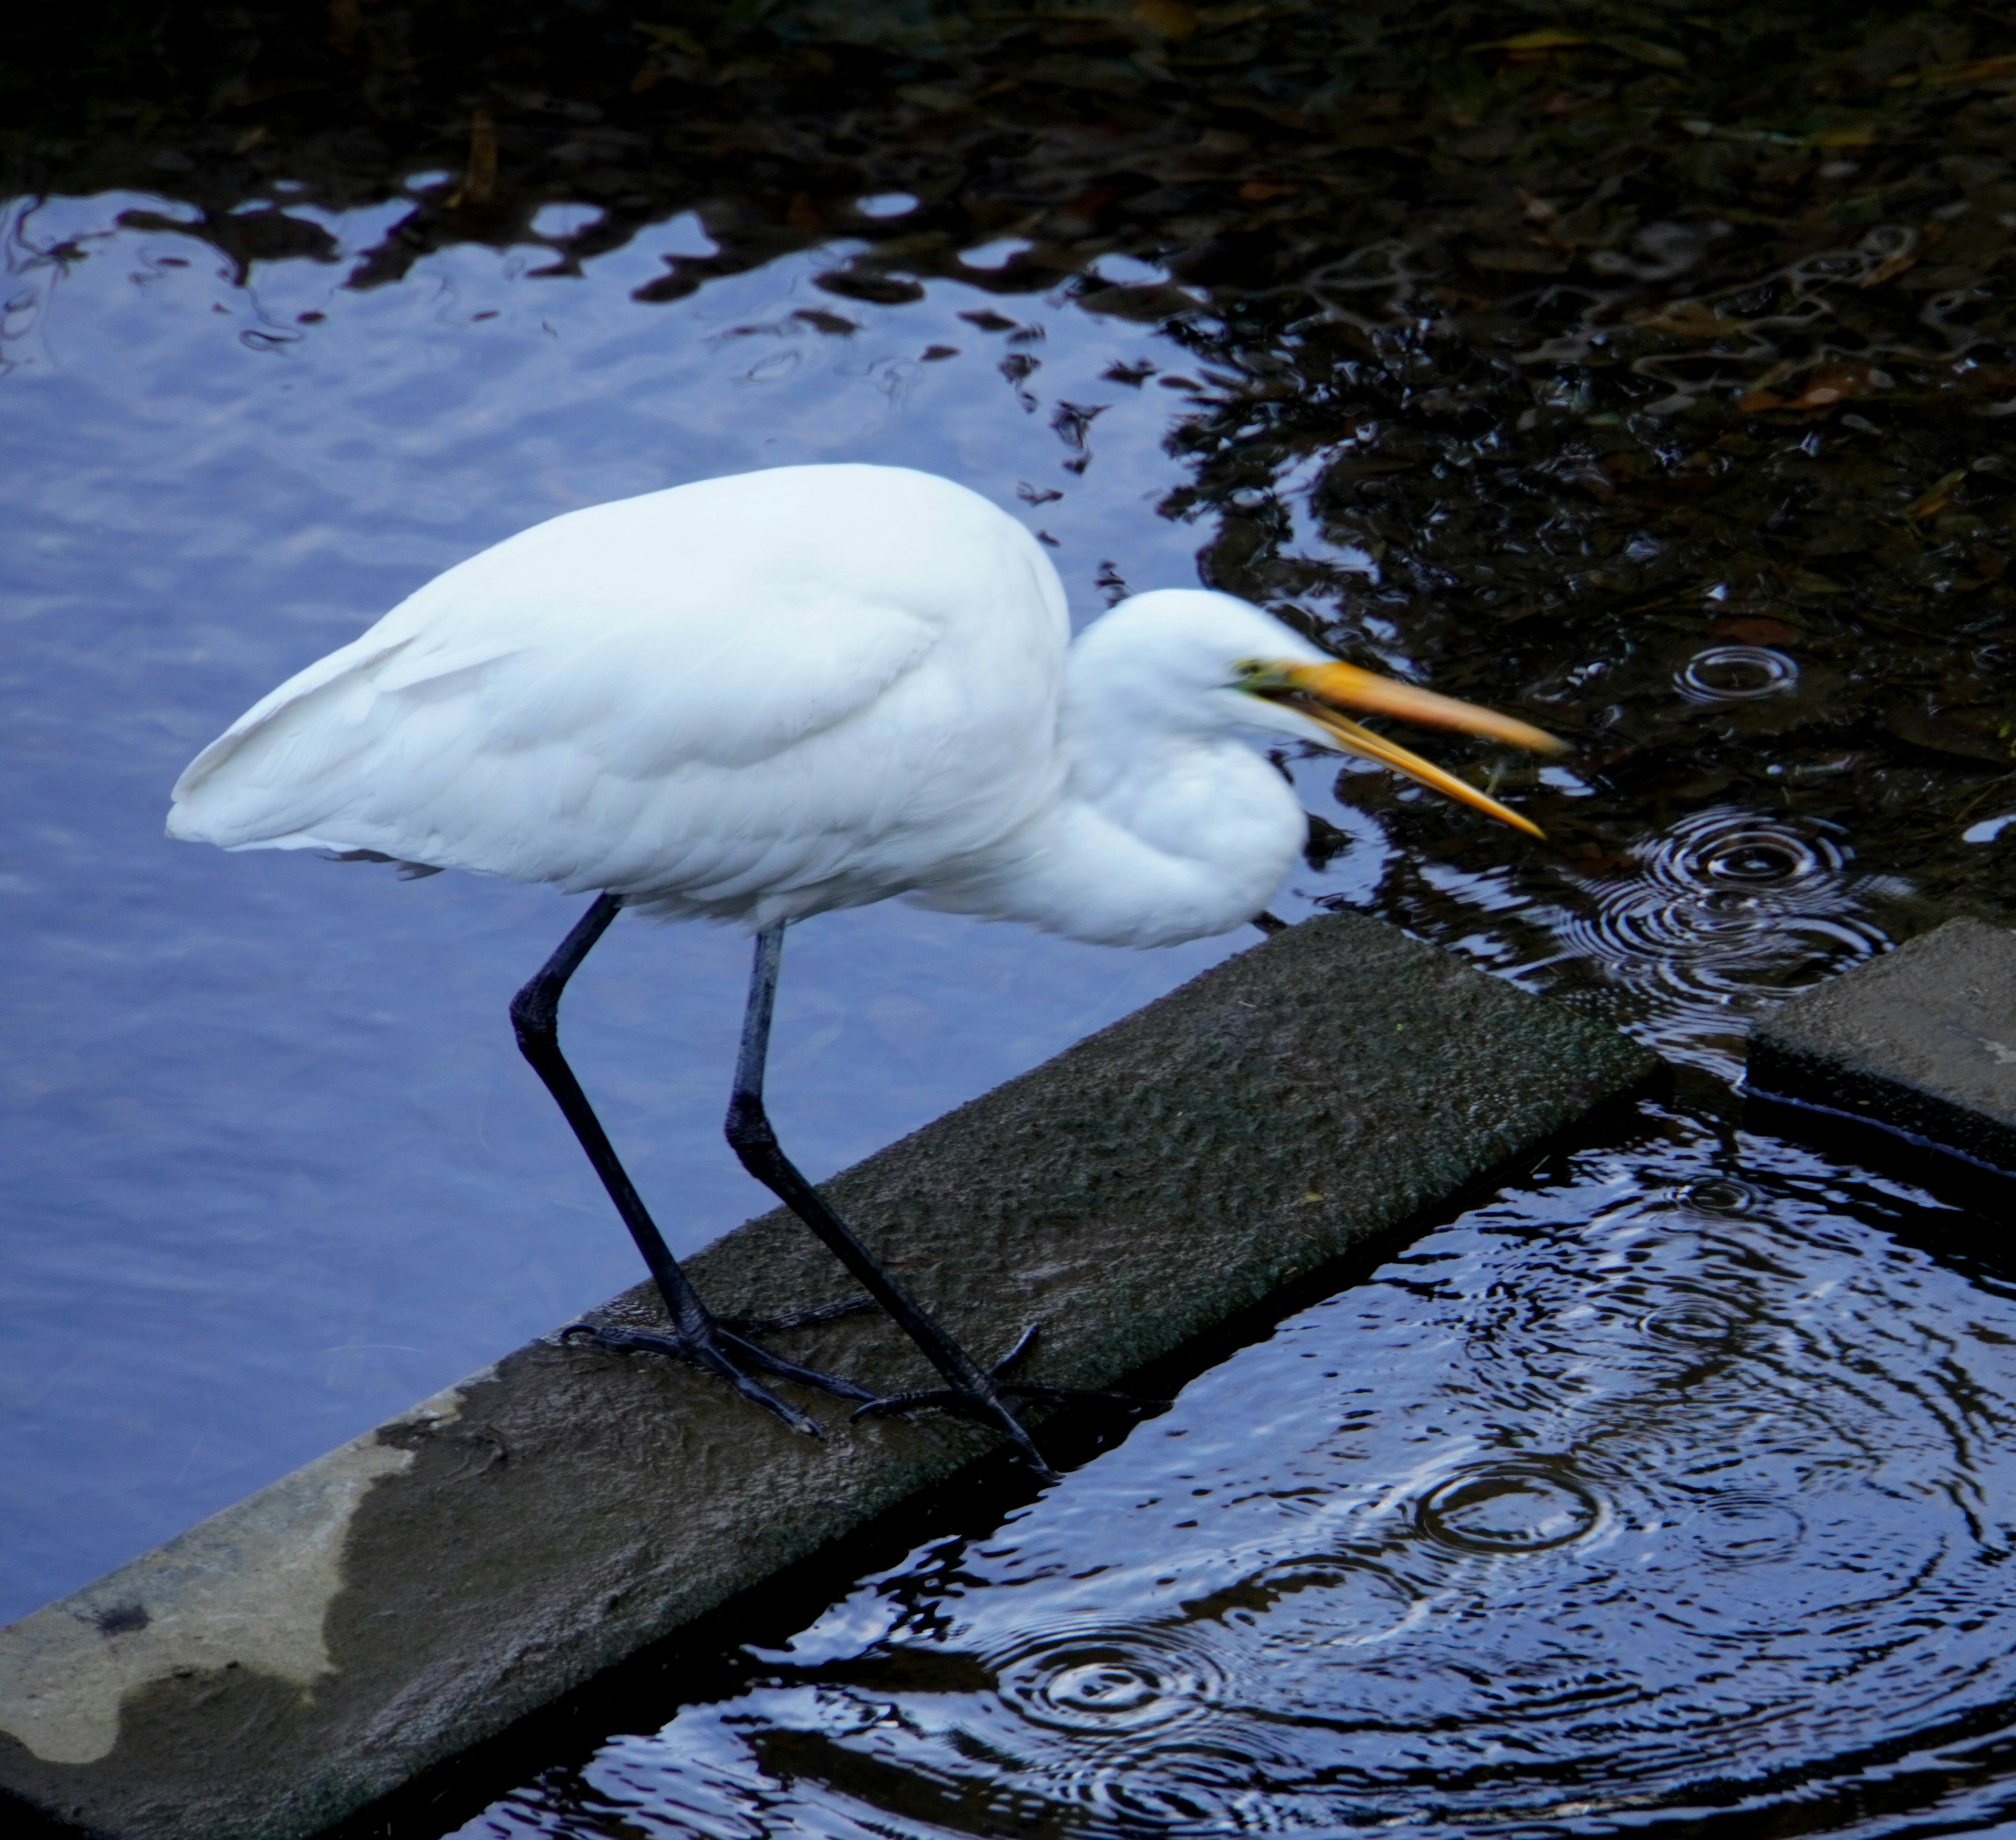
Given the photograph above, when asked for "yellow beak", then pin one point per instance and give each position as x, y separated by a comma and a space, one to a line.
1322, 692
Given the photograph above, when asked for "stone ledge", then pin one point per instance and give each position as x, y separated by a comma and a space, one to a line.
402, 1599
1921, 1042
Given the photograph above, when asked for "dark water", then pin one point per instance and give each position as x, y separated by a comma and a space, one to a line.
1649, 376
1673, 1491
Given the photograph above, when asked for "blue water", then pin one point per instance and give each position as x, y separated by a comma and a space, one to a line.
274, 1167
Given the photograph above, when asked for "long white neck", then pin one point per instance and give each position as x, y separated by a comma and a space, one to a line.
1166, 827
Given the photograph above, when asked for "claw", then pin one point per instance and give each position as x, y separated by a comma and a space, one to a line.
1042, 1389
1024, 1342
716, 1352
987, 1408
951, 1399
945, 1396
797, 1318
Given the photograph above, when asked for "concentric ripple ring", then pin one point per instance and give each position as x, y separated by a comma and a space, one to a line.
1735, 674
1722, 908
1116, 1679
1509, 1507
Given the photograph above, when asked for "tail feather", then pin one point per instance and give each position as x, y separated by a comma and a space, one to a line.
241, 791
301, 768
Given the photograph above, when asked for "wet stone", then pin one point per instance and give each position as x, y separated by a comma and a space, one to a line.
1922, 1042
406, 1596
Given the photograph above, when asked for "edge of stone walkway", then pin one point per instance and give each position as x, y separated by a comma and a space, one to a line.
306, 1651
1921, 1041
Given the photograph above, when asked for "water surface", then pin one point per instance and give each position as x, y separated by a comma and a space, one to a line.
1648, 373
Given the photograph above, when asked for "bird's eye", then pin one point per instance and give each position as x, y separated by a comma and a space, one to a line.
1258, 677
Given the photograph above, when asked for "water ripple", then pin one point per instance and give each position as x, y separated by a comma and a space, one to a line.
1507, 1507
1719, 1195
1111, 1681
1693, 1320
1735, 674
1724, 908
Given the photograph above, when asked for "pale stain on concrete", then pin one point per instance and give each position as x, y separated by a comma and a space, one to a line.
249, 1588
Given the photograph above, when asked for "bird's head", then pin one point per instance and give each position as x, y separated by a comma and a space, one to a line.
1233, 666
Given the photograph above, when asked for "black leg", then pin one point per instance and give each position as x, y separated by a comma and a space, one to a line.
695, 1335
970, 1388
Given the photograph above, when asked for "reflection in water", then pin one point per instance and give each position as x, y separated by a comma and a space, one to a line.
1622, 1493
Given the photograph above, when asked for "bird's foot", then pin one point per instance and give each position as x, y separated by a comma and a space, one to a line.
986, 1402
726, 1353
798, 1319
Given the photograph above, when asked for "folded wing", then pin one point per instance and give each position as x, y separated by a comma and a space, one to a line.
756, 684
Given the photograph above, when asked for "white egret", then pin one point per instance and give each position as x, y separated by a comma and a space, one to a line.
756, 698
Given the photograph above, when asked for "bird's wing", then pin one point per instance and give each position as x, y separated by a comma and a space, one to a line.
624, 699
403, 746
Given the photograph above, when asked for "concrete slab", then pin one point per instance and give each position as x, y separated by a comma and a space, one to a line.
1922, 1042
309, 1650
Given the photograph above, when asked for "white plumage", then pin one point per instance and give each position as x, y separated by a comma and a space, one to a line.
759, 697
701, 695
